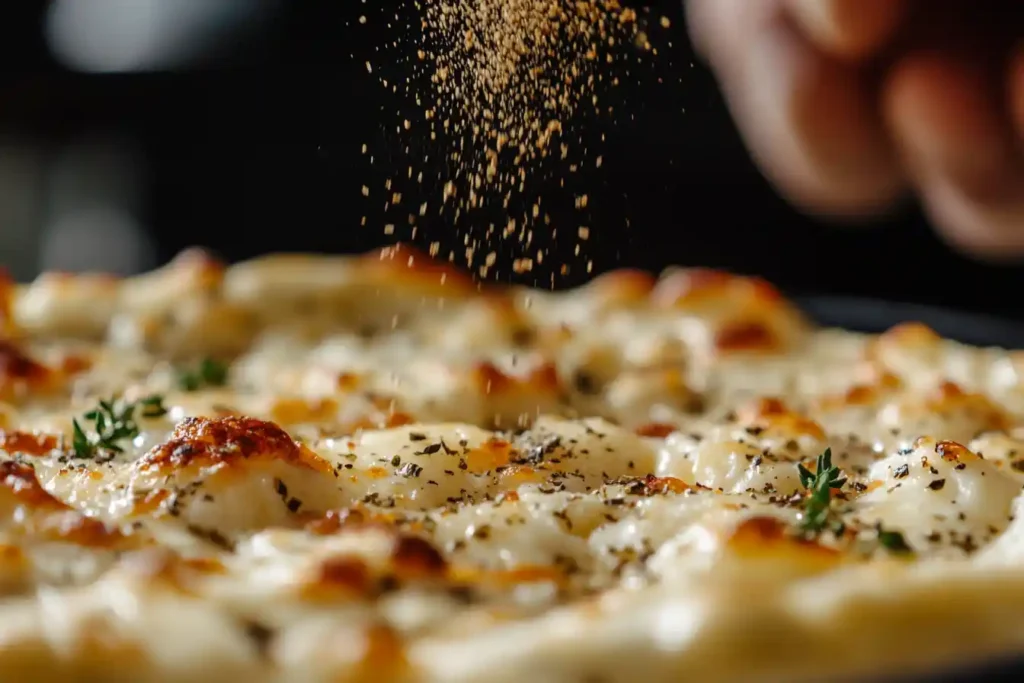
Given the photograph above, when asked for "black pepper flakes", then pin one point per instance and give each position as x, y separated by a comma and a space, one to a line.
410, 470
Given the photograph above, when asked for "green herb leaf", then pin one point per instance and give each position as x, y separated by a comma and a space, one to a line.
819, 485
80, 441
894, 542
153, 406
112, 424
209, 373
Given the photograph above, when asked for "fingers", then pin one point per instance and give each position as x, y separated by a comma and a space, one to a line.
810, 121
714, 27
1017, 92
849, 29
952, 128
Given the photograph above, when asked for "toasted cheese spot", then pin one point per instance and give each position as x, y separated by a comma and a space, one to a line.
151, 501
772, 415
97, 645
870, 373
415, 557
72, 364
746, 335
655, 430
348, 382
489, 379
20, 374
691, 286
34, 510
507, 497
702, 288
949, 397
11, 554
620, 287
377, 472
517, 475
526, 574
169, 568
397, 419
192, 272
15, 566
203, 442
770, 538
28, 443
490, 455
508, 577
860, 395
906, 349
906, 335
230, 475
76, 528
655, 485
947, 412
386, 420
950, 451
343, 576
204, 565
407, 262
879, 385
21, 480
763, 408
298, 410
384, 656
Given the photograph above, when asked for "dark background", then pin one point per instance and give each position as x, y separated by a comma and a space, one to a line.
252, 144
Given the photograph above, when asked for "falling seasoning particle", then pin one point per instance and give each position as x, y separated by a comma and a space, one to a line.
501, 86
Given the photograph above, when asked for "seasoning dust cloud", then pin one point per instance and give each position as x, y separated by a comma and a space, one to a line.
500, 90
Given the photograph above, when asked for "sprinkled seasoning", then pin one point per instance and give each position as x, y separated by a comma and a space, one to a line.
500, 90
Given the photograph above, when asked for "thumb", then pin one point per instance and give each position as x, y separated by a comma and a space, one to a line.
849, 29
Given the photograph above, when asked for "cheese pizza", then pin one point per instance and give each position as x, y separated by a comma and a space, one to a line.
325, 469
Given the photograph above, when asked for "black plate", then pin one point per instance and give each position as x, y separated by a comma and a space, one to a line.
866, 315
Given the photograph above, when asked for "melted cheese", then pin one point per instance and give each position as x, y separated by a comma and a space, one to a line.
408, 479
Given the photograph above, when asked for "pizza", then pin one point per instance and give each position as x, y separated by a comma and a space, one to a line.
321, 468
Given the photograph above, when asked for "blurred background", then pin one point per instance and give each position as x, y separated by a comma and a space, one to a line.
130, 129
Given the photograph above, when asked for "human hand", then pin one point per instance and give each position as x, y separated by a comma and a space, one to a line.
847, 104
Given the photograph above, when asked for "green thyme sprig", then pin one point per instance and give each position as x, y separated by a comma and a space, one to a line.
819, 485
209, 373
113, 422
